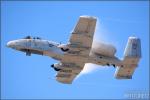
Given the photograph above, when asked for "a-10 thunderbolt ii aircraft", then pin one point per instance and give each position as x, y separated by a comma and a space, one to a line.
77, 52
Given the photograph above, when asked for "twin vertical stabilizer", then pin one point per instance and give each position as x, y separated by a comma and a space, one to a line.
131, 58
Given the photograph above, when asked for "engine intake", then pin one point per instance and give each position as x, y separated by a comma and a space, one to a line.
56, 67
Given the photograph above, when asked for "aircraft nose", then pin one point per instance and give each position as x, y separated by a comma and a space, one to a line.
11, 44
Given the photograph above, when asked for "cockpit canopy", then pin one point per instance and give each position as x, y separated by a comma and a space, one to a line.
29, 37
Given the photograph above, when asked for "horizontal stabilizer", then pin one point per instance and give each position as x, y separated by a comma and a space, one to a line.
125, 72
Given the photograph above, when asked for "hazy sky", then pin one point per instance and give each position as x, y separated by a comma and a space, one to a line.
31, 77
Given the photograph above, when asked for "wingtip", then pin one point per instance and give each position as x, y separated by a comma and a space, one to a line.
87, 16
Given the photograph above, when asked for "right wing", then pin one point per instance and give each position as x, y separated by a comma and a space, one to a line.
68, 72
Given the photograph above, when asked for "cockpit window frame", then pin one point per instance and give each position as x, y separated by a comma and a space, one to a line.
51, 44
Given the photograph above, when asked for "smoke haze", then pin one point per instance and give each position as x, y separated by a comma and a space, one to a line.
99, 37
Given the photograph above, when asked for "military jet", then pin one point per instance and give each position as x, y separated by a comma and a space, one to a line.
78, 51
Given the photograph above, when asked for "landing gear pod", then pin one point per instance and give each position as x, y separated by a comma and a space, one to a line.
28, 52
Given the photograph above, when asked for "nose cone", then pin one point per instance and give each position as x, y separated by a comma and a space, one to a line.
11, 44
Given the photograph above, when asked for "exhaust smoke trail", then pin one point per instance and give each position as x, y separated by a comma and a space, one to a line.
99, 36
88, 68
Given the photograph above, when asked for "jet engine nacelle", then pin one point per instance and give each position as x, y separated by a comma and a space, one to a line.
63, 47
103, 49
